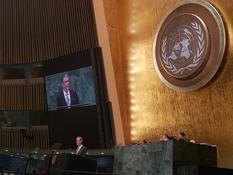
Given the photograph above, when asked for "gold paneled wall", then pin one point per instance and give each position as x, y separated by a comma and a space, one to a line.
148, 107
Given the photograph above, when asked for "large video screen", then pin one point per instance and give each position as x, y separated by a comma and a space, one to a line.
76, 99
70, 89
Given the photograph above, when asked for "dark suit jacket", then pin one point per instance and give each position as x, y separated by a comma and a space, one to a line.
82, 151
61, 102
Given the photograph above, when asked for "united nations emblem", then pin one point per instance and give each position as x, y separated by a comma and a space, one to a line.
189, 45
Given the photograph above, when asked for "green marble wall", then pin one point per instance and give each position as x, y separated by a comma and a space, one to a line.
162, 158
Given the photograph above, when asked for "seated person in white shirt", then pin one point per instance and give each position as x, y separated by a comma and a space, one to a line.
81, 149
164, 137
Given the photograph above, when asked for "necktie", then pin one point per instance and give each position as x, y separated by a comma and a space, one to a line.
67, 99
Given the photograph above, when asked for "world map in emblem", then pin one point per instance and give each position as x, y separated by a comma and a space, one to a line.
182, 51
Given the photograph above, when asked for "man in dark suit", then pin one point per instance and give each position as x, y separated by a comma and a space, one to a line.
81, 149
66, 97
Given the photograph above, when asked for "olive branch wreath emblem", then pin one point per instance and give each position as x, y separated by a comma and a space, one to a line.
196, 60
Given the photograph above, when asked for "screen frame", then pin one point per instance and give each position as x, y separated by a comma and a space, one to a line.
89, 57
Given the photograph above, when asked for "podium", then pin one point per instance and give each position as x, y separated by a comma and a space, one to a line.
12, 164
71, 164
162, 158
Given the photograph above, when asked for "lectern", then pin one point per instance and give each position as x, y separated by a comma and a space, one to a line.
71, 164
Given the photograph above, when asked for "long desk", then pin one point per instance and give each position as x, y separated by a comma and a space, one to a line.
162, 158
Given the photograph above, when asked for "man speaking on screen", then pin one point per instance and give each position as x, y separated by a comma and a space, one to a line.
66, 98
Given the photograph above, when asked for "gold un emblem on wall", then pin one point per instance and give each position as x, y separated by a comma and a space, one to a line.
189, 45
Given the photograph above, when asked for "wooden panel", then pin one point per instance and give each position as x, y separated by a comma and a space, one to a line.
14, 139
19, 98
34, 30
148, 107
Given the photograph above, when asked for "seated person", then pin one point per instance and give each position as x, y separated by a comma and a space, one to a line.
81, 149
182, 137
164, 137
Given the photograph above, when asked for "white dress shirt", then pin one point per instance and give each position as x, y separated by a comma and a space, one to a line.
78, 149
